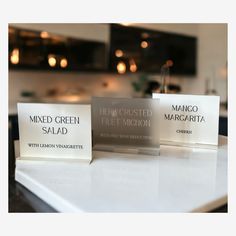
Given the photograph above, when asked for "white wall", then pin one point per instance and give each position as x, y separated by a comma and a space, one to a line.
212, 59
86, 84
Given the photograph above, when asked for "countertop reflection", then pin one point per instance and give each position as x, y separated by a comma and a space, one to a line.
179, 180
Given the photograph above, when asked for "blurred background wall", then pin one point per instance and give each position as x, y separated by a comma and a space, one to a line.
211, 64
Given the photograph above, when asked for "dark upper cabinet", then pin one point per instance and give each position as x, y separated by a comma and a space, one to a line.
43, 51
140, 50
131, 50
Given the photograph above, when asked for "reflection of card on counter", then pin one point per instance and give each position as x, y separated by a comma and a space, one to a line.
189, 119
126, 125
55, 131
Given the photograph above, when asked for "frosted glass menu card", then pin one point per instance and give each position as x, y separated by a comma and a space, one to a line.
189, 119
126, 125
56, 131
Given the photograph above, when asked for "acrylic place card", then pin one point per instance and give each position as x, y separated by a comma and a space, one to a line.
189, 120
126, 125
55, 131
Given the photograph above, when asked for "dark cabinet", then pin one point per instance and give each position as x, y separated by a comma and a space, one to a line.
147, 50
43, 51
130, 50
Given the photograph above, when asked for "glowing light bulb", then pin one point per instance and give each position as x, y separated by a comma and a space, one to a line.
119, 53
44, 35
144, 35
133, 67
121, 67
15, 56
52, 60
63, 63
144, 44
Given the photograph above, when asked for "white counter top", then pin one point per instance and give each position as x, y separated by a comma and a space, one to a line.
180, 180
